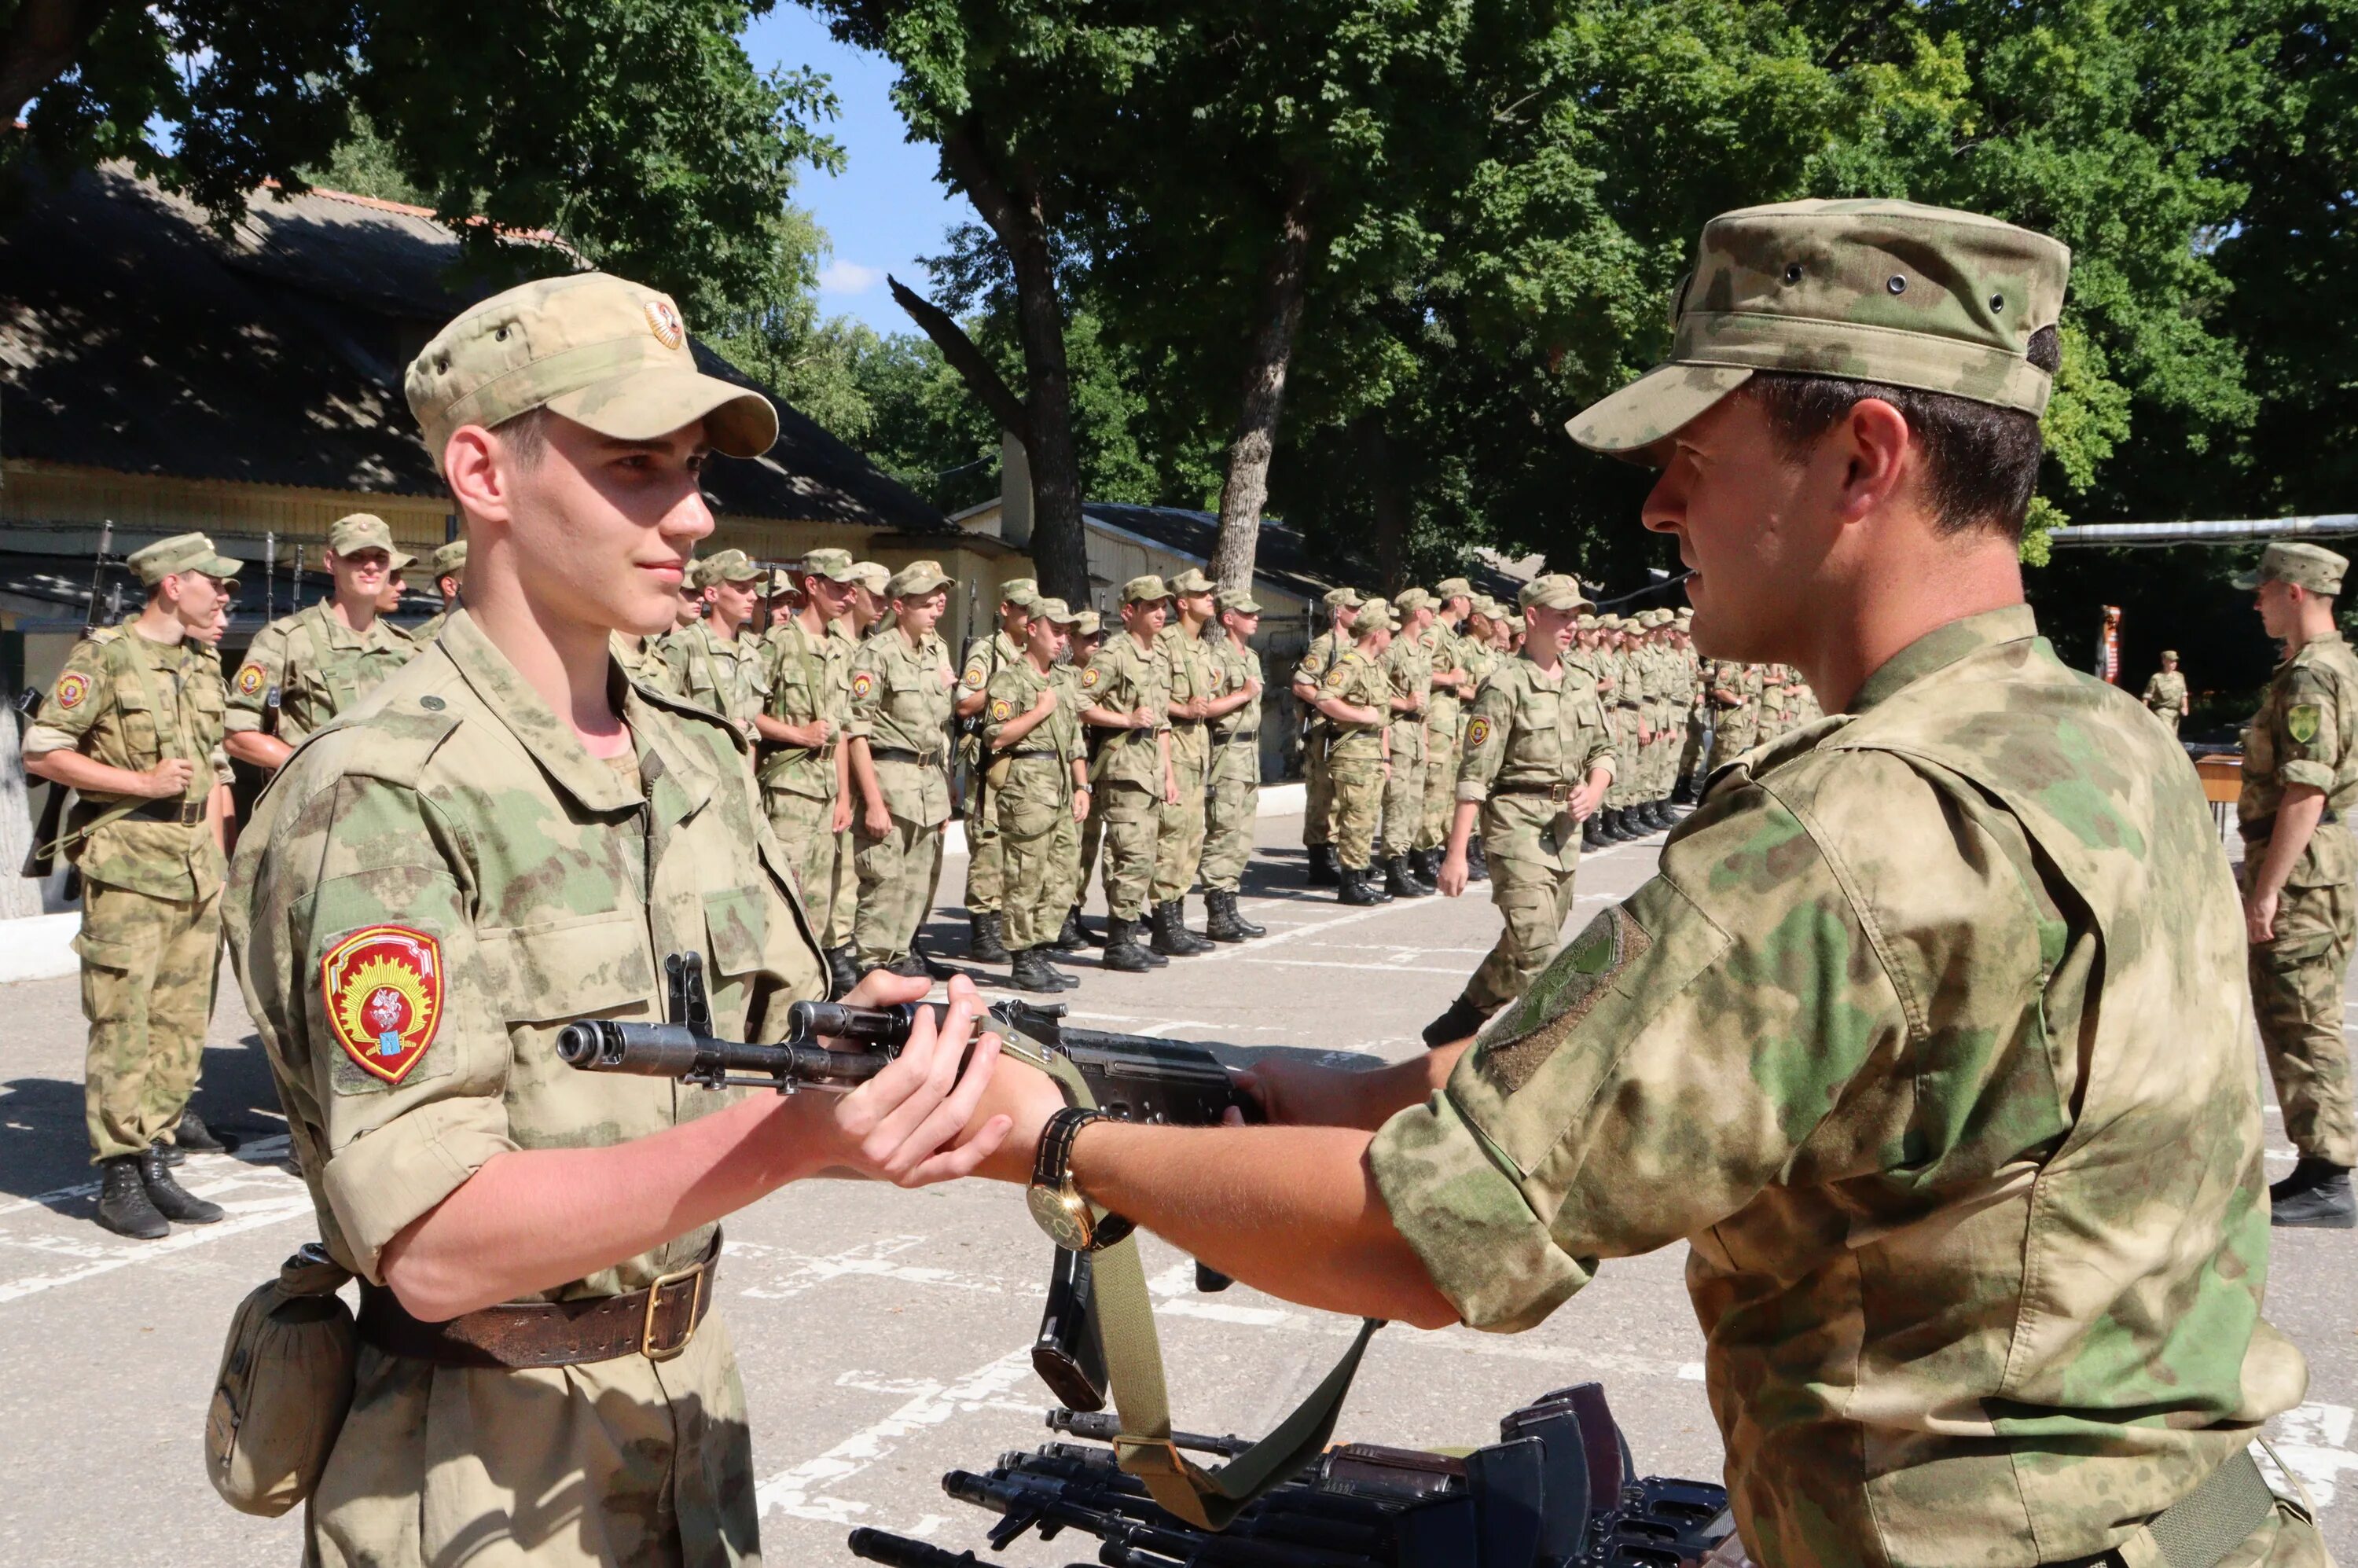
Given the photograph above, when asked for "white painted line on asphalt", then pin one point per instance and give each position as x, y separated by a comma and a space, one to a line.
260, 1150
273, 1212
1380, 969
869, 1261
2315, 1442
801, 1491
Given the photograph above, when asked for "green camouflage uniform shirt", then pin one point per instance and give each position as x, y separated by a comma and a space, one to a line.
316, 667
726, 678
1124, 677
901, 702
809, 677
1930, 1037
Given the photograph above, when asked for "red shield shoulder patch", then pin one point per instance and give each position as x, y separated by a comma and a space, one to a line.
249, 680
383, 987
863, 683
71, 689
1477, 731
1001, 709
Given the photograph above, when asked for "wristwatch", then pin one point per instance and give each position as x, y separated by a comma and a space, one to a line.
1056, 1203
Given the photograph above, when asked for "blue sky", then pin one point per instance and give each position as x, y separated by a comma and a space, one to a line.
884, 211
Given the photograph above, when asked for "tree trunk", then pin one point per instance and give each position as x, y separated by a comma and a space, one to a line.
44, 38
1245, 489
1391, 505
1016, 214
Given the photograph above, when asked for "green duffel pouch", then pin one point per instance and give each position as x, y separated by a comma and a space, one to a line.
284, 1385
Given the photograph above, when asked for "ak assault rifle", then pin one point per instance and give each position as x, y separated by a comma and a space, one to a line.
1557, 1489
1135, 1078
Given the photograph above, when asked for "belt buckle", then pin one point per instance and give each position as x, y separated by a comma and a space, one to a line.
191, 813
694, 1271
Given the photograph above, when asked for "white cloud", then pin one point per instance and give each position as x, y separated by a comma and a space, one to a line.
849, 277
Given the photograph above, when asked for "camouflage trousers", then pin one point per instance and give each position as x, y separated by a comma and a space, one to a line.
1359, 804
1317, 792
2168, 719
1129, 817
1403, 808
1623, 723
1179, 839
820, 857
622, 1461
1440, 784
147, 967
986, 873
1532, 855
898, 874
1730, 738
1698, 740
2296, 983
1232, 804
1037, 836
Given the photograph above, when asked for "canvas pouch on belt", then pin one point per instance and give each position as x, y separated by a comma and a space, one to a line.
286, 1383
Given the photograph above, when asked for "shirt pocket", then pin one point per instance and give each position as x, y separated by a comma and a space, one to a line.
562, 971
142, 730
737, 926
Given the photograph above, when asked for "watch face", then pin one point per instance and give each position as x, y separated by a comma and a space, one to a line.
1065, 1216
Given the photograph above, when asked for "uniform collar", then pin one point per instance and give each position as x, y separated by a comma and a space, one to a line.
342, 636
1945, 645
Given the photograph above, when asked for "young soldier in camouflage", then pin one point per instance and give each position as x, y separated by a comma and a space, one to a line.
503, 837
1129, 703
1453, 687
717, 662
2300, 775
1538, 762
806, 771
901, 690
133, 726
448, 565
303, 669
1928, 1037
1355, 699
1309, 677
1408, 664
986, 885
1040, 789
1232, 804
2165, 691
1179, 837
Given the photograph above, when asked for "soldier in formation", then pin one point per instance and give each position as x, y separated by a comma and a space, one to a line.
1128, 689
1232, 792
2301, 908
448, 565
1356, 698
1408, 666
985, 869
1820, 1045
1318, 736
902, 688
805, 767
1453, 687
2165, 692
304, 669
133, 724
1039, 786
1189, 672
716, 660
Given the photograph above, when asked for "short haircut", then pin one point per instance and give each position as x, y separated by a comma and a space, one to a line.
525, 436
1981, 461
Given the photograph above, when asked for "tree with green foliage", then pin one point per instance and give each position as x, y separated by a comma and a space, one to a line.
636, 131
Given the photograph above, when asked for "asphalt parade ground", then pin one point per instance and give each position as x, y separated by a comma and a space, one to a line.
884, 1335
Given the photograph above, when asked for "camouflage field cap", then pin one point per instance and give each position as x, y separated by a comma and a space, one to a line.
873, 576
1451, 587
1556, 591
450, 559
1054, 610
1024, 592
400, 560
1409, 600
599, 349
1144, 589
2169, 655
1588, 623
180, 553
836, 565
1374, 615
1885, 291
2312, 567
916, 580
1088, 623
1238, 600
729, 565
1192, 581
1341, 598
358, 531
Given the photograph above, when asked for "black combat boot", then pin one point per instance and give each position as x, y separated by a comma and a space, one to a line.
1625, 823
1358, 889
2315, 1197
1401, 881
193, 1136
1325, 871
1664, 818
1590, 836
1477, 864
1684, 793
1172, 937
124, 1206
1236, 918
1030, 971
842, 969
175, 1202
909, 966
1426, 878
1074, 938
1222, 924
984, 943
1121, 949
172, 1156
1460, 1023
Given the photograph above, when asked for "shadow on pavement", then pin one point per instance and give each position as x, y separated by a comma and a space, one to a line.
46, 1147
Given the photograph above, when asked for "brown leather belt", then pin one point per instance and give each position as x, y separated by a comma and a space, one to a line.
181, 813
1559, 792
2261, 826
901, 754
655, 1323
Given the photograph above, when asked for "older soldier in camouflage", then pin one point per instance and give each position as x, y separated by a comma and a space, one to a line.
1537, 761
1188, 668
1039, 785
1927, 1039
902, 692
986, 879
2301, 779
133, 726
1317, 736
452, 870
2165, 691
804, 768
718, 661
1408, 664
1232, 801
1355, 699
448, 565
303, 669
1128, 703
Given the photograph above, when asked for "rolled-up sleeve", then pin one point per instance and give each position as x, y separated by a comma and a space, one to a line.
2309, 731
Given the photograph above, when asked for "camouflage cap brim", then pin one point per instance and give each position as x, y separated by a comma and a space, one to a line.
1660, 402
644, 404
